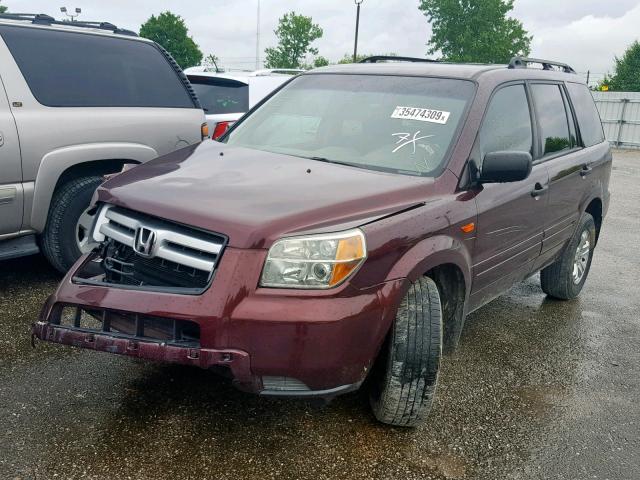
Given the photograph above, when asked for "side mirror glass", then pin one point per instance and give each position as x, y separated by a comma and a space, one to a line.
503, 167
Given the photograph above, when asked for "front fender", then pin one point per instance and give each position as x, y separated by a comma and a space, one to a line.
430, 253
425, 255
56, 162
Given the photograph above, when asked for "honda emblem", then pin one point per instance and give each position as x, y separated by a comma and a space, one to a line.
144, 241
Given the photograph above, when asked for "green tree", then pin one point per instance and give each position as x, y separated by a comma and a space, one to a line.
475, 30
211, 61
626, 74
295, 35
170, 31
3, 9
320, 62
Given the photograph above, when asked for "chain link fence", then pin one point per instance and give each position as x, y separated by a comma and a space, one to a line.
620, 114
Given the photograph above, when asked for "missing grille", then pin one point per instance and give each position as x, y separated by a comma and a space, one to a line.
129, 325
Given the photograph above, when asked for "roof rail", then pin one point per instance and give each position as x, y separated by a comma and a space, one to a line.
42, 19
522, 62
384, 58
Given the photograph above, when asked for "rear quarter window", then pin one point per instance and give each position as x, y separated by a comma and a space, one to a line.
68, 69
587, 114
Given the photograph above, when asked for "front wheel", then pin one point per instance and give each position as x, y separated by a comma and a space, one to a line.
565, 278
406, 374
67, 234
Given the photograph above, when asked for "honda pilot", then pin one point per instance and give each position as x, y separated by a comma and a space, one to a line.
341, 232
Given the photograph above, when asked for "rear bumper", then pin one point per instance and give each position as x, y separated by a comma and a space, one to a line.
305, 343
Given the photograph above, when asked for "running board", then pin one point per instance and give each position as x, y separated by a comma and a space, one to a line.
18, 247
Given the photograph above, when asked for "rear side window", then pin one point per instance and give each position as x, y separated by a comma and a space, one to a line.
587, 113
552, 116
66, 69
221, 95
507, 123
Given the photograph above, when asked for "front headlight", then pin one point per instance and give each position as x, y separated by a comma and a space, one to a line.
314, 261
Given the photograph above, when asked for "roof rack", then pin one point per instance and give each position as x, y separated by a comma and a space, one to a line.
522, 62
384, 58
43, 19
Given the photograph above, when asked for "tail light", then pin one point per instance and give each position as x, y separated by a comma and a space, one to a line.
221, 129
204, 130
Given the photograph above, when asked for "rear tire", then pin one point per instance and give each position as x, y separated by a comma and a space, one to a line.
565, 278
61, 240
406, 374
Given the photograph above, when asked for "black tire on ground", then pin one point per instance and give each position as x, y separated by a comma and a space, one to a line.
406, 374
557, 279
59, 239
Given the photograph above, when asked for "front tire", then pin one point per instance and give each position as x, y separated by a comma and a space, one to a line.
67, 236
565, 278
406, 374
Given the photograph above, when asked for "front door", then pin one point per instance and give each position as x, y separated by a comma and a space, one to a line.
510, 215
10, 169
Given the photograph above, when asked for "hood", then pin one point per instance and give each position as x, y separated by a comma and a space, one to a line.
256, 197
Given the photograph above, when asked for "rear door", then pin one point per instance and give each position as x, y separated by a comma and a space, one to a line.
510, 215
566, 161
11, 196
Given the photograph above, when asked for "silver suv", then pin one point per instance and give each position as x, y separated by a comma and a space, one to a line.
79, 101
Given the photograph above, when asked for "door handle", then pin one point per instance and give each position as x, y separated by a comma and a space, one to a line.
538, 190
586, 170
1, 139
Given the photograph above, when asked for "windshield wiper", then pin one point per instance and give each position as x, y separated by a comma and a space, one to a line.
326, 160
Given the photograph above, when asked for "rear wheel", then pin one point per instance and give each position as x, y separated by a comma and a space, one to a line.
565, 278
405, 376
67, 234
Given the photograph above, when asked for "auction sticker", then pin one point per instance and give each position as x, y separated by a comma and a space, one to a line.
421, 114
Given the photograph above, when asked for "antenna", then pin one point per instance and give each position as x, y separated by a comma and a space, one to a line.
258, 39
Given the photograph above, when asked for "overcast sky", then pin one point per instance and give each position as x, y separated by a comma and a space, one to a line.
584, 33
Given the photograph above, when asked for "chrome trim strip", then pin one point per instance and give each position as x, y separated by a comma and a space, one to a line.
8, 194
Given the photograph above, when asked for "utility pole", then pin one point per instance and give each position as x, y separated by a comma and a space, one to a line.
258, 39
71, 15
355, 45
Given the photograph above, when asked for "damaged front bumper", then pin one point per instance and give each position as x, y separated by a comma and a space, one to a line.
138, 336
269, 341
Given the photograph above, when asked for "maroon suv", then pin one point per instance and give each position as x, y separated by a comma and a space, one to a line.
344, 228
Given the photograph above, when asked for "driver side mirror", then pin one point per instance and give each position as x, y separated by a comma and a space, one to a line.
503, 167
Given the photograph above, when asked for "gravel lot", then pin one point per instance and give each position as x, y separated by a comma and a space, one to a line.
538, 389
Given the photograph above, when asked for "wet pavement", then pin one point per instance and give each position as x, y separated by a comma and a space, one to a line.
537, 389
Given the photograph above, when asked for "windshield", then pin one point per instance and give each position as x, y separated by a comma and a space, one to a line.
221, 95
390, 123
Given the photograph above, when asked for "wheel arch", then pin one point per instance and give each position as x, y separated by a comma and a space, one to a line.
451, 284
447, 261
594, 208
71, 162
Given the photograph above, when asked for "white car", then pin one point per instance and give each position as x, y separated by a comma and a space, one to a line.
226, 96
